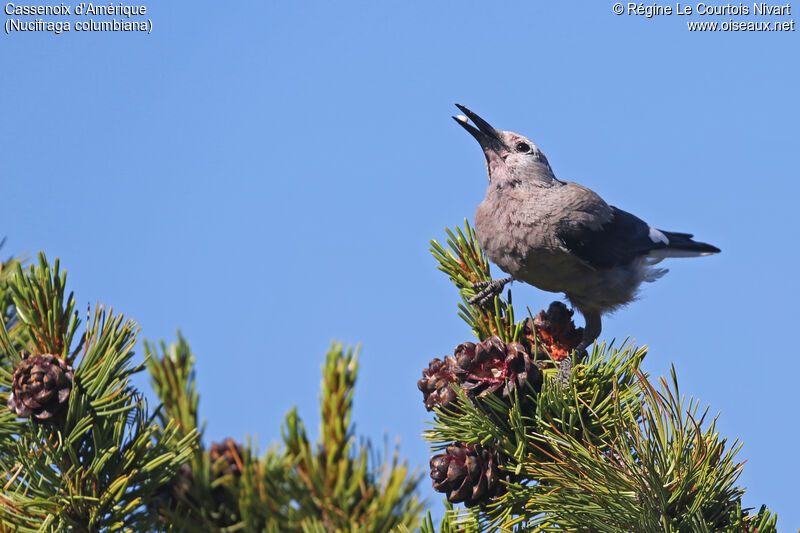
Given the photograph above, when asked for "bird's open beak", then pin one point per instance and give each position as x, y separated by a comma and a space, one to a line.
485, 134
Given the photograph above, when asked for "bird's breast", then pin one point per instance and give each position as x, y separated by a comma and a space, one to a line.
514, 236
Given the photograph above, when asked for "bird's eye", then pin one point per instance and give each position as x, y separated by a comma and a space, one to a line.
523, 147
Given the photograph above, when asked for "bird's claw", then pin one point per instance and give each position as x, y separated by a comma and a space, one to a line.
565, 365
488, 290
564, 371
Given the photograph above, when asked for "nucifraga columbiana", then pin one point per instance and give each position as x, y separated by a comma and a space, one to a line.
560, 236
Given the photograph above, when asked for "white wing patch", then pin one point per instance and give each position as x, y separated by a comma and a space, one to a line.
657, 236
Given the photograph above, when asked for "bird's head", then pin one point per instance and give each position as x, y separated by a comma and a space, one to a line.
510, 157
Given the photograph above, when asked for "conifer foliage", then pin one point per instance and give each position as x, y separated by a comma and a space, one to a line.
608, 451
334, 485
514, 446
82, 451
78, 447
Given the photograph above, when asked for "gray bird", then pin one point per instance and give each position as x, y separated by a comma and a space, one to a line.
560, 236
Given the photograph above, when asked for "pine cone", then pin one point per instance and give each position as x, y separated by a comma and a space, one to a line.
468, 474
492, 365
175, 490
554, 330
435, 383
226, 458
40, 386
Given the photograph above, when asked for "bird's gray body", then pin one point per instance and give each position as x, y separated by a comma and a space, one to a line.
560, 236
518, 228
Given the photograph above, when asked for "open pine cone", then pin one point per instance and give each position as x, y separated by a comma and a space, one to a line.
468, 474
494, 366
555, 332
226, 458
435, 382
491, 366
40, 386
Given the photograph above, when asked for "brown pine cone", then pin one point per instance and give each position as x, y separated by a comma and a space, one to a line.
226, 458
468, 474
554, 330
175, 490
40, 386
494, 366
435, 383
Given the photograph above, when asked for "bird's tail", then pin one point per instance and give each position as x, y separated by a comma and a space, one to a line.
682, 245
652, 274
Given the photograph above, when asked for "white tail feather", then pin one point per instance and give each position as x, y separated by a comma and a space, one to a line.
653, 274
663, 253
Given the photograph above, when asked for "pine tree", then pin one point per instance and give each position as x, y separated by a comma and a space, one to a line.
333, 486
82, 451
78, 446
610, 451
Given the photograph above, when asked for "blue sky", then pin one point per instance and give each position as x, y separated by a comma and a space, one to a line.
266, 177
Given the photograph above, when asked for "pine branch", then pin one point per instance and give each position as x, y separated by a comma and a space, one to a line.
465, 264
80, 449
173, 380
661, 471
43, 306
606, 453
266, 500
94, 461
334, 485
336, 406
336, 482
204, 494
7, 311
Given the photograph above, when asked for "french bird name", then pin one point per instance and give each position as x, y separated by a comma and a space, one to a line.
83, 8
757, 9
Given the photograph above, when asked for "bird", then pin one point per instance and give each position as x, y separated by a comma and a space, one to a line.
560, 236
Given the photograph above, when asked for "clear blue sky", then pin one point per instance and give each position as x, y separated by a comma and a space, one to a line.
266, 176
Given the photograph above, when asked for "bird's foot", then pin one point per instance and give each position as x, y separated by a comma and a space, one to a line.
590, 333
564, 371
489, 289
566, 364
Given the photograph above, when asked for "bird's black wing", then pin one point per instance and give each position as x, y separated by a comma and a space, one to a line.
617, 242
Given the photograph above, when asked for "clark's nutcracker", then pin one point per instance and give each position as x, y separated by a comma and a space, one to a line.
560, 236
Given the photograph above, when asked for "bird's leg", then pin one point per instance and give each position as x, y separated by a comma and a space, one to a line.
489, 289
591, 331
